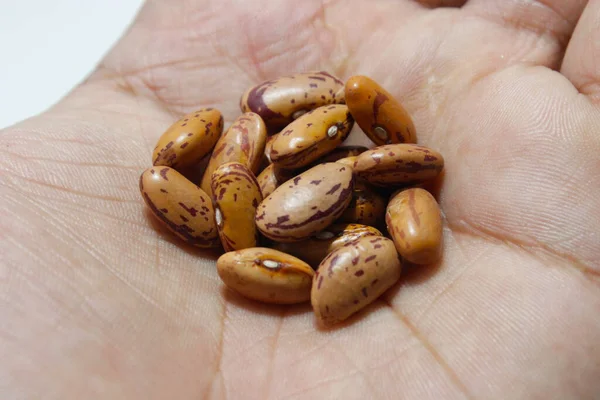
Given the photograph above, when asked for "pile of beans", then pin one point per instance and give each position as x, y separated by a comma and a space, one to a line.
298, 216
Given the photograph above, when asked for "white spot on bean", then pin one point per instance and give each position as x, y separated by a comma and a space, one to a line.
332, 131
218, 217
270, 264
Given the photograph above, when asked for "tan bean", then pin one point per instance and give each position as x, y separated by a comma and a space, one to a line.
271, 177
236, 195
381, 117
367, 206
266, 275
181, 206
306, 204
317, 247
188, 140
398, 164
282, 100
414, 222
352, 277
244, 142
309, 137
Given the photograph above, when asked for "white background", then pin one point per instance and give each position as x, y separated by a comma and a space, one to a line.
48, 46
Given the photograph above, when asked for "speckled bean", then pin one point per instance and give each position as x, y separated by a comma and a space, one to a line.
181, 206
266, 275
236, 195
367, 206
309, 137
341, 152
381, 117
414, 222
271, 177
189, 139
306, 204
352, 277
349, 161
282, 100
243, 142
317, 247
398, 164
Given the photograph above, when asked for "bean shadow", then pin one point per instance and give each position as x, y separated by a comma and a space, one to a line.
256, 307
434, 186
354, 319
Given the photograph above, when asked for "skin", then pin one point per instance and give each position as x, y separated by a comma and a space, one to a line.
96, 302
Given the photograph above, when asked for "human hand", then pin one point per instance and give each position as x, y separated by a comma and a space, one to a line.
98, 302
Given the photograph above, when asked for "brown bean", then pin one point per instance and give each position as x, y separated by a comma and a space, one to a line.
181, 206
317, 247
271, 177
244, 142
188, 140
282, 100
398, 164
342, 152
367, 206
236, 196
309, 137
352, 277
414, 222
306, 204
266, 275
381, 117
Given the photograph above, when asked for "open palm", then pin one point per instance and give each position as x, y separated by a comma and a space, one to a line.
97, 301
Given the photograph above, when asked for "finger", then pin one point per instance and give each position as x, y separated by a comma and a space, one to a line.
538, 30
442, 3
582, 58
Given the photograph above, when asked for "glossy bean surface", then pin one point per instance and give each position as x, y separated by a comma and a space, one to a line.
243, 142
271, 177
306, 204
182, 207
414, 221
188, 140
266, 275
352, 277
310, 137
398, 164
236, 195
381, 117
280, 101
